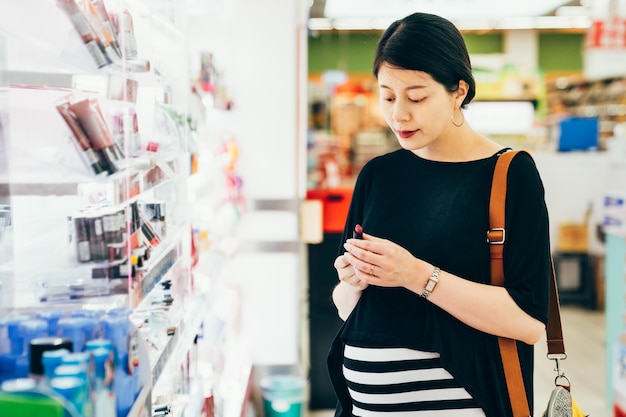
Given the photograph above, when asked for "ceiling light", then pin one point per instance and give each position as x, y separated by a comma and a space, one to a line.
509, 23
450, 9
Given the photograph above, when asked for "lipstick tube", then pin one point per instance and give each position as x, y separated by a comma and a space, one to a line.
83, 250
95, 127
89, 155
96, 13
86, 32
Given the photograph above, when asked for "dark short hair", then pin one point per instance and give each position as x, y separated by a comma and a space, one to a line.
428, 43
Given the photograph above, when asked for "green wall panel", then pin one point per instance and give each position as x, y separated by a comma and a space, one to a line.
353, 52
560, 52
489, 43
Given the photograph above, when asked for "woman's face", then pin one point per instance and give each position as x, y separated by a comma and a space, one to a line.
418, 109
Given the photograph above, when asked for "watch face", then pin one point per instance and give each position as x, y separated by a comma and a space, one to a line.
430, 285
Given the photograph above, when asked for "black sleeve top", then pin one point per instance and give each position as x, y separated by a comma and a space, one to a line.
439, 211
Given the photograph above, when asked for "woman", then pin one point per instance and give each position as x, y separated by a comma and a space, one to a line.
421, 319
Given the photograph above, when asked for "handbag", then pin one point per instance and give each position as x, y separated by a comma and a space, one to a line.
561, 402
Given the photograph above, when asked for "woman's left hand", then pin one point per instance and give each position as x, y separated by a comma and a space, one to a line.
384, 263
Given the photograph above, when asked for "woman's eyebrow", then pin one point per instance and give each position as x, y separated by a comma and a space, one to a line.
411, 87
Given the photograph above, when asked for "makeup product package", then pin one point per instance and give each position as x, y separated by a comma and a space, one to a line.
90, 117
93, 159
85, 30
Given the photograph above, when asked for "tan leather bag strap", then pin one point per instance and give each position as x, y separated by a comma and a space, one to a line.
496, 236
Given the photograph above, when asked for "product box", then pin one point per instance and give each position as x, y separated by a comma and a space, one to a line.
573, 237
578, 134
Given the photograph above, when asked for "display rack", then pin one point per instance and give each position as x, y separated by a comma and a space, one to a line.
97, 229
575, 96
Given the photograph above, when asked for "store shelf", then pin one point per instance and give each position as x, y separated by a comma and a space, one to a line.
49, 187
578, 97
183, 323
145, 174
142, 403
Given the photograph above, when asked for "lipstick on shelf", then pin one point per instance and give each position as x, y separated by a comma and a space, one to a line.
90, 118
103, 13
95, 108
83, 249
89, 36
357, 233
90, 156
99, 24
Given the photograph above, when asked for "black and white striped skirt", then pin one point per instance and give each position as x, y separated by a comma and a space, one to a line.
403, 382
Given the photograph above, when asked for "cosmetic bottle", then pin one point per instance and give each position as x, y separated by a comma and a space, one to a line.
97, 244
95, 344
130, 132
101, 29
52, 317
104, 16
82, 26
81, 237
90, 119
54, 347
80, 390
73, 328
90, 157
21, 397
51, 359
105, 402
78, 358
116, 328
73, 390
7, 366
16, 340
126, 32
29, 329
109, 226
92, 328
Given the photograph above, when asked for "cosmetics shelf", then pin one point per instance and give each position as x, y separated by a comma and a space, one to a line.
147, 174
97, 181
142, 403
170, 342
166, 263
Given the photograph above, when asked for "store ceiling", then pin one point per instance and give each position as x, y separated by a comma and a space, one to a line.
483, 12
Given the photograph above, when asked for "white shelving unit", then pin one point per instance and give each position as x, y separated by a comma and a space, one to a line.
44, 181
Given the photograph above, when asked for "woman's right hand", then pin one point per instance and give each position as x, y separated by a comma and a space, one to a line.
348, 292
347, 274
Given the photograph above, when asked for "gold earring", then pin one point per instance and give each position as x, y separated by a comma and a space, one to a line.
462, 119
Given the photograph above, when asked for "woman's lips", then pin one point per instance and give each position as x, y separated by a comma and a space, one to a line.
405, 134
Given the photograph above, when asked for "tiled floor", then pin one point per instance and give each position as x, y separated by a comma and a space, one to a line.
583, 331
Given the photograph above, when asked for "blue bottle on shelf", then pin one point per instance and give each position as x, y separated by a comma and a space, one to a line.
73, 389
73, 328
52, 317
51, 360
105, 400
29, 330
